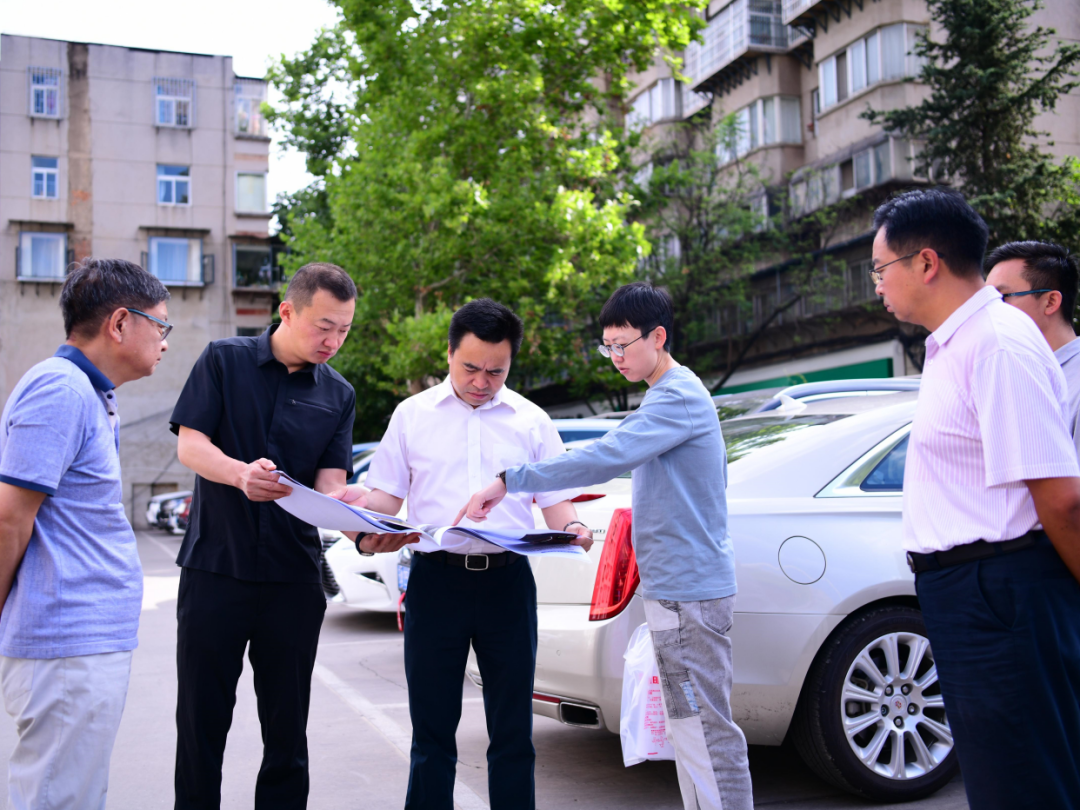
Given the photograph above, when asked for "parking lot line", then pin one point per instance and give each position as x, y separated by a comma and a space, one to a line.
464, 797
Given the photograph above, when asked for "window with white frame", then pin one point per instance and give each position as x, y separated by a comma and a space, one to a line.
173, 185
250, 95
660, 102
765, 122
251, 192
42, 255
174, 102
44, 177
176, 260
882, 55
44, 91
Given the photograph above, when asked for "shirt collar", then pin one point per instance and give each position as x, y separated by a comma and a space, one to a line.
264, 353
445, 393
97, 379
964, 313
1068, 351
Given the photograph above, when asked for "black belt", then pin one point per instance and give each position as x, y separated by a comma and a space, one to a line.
472, 562
979, 550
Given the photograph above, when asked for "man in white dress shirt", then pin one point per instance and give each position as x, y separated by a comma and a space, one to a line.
991, 512
1040, 279
441, 446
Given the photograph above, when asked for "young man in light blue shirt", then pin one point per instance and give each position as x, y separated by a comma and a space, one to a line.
70, 578
672, 442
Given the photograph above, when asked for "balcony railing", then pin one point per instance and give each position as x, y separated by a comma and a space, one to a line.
793, 9
742, 27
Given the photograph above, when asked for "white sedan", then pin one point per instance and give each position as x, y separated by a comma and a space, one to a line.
829, 643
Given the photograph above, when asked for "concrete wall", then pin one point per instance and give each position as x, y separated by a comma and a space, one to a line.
109, 146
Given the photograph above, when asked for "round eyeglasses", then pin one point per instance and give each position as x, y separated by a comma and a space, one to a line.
619, 350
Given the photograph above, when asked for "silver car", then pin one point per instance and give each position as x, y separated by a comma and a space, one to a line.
829, 643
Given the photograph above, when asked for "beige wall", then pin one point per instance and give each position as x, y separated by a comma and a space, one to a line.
109, 147
838, 130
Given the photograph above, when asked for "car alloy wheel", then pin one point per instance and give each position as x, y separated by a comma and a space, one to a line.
871, 718
893, 712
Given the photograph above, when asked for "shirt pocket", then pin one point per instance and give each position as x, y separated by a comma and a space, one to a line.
305, 431
509, 455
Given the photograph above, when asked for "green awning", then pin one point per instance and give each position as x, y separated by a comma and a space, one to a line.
871, 369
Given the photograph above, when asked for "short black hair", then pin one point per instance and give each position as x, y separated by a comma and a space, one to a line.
96, 288
642, 306
936, 218
488, 320
1046, 267
316, 276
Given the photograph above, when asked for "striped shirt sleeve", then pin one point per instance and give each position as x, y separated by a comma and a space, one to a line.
1021, 419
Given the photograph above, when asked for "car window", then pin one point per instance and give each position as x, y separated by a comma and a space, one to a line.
579, 435
745, 437
888, 475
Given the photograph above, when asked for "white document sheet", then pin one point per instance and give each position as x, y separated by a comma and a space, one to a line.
329, 513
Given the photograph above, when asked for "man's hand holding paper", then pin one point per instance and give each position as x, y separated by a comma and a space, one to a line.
481, 503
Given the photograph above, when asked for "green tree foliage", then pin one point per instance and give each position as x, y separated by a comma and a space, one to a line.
989, 77
469, 148
703, 223
712, 228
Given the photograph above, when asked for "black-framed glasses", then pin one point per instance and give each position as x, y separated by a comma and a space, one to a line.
875, 274
619, 350
163, 326
1023, 292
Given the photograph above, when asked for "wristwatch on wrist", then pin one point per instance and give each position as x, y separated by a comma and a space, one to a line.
501, 476
572, 523
359, 550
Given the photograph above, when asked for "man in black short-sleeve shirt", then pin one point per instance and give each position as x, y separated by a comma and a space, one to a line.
250, 571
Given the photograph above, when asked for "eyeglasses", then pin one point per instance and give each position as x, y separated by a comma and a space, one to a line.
875, 274
617, 349
1024, 292
163, 326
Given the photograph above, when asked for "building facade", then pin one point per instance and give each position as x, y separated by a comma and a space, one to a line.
797, 74
156, 157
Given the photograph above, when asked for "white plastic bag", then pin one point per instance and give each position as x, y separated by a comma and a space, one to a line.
641, 726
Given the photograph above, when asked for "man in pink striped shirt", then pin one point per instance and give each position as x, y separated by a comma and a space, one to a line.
991, 512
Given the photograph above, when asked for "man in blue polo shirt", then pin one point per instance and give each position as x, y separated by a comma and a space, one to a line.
70, 578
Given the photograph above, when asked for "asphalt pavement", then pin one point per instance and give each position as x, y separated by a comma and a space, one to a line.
358, 732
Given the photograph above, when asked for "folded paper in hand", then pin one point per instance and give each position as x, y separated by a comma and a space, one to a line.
330, 513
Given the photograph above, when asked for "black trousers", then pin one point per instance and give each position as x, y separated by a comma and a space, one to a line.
279, 623
448, 608
1005, 632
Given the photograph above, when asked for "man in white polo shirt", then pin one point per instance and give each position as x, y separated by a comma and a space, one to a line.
991, 513
1040, 279
442, 445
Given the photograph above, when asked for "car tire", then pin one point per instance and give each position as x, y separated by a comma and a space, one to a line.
871, 719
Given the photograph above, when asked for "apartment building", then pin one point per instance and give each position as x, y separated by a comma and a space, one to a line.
797, 74
156, 157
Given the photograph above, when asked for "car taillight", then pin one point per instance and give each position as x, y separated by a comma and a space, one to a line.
617, 577
588, 496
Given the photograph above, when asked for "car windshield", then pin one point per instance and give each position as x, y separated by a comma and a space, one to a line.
360, 463
744, 437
